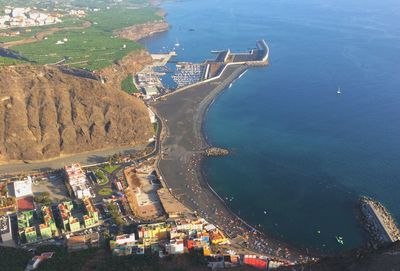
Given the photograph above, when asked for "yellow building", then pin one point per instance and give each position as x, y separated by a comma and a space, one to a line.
217, 237
152, 233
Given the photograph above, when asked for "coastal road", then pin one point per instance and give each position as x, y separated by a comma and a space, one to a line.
180, 160
86, 158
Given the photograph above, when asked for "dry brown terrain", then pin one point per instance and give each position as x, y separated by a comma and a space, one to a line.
140, 31
131, 63
45, 113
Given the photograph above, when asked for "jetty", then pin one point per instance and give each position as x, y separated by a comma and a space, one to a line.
216, 152
191, 75
378, 222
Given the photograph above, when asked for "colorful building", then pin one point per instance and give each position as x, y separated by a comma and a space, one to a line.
256, 262
126, 244
70, 223
217, 237
30, 234
189, 225
26, 231
92, 214
45, 231
153, 233
74, 224
48, 228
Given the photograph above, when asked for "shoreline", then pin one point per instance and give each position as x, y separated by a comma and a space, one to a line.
192, 187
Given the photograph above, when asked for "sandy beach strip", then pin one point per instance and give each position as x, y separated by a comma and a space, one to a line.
182, 141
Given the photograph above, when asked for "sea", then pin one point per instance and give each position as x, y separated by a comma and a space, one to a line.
302, 155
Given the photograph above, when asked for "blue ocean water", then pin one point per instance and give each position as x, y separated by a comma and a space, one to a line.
301, 153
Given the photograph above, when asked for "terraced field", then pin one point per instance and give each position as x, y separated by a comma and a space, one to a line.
92, 48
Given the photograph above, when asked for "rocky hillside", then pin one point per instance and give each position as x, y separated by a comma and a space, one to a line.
140, 31
45, 113
132, 63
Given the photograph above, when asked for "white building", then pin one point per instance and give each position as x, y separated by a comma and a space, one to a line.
78, 181
125, 239
23, 188
152, 116
175, 246
19, 12
151, 91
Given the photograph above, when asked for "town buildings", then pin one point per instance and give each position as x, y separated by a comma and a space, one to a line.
78, 182
126, 244
27, 17
69, 222
6, 238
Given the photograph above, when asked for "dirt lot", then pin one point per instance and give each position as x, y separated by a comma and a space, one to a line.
54, 185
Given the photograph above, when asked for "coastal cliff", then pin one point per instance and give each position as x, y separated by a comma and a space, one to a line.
46, 113
140, 31
132, 63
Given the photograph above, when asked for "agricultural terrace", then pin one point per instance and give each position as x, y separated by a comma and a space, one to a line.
92, 48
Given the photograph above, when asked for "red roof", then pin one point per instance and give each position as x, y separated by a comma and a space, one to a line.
25, 204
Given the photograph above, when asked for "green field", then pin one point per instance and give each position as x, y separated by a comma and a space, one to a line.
117, 18
106, 191
102, 177
92, 48
6, 61
110, 169
128, 86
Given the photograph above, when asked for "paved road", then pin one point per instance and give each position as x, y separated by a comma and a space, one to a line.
85, 158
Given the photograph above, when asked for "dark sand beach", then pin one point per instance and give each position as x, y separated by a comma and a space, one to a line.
182, 141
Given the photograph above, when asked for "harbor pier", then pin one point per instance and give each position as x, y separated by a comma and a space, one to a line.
378, 222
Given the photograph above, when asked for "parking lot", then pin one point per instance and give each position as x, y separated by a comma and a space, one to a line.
54, 185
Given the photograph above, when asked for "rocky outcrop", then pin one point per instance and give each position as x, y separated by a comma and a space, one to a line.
45, 113
132, 63
140, 31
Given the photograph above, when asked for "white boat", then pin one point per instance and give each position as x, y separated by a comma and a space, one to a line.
177, 44
339, 239
338, 92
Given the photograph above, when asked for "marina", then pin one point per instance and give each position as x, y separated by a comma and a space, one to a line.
187, 73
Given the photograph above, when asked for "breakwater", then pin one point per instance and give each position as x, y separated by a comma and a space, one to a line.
378, 222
